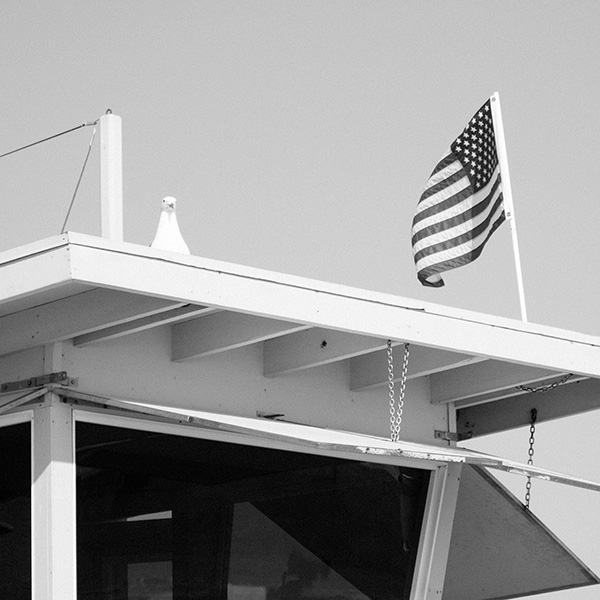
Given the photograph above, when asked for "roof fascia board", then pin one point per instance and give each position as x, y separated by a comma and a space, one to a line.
40, 268
98, 262
74, 240
38, 247
294, 281
192, 280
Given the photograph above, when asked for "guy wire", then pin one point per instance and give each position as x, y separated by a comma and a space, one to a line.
79, 180
48, 138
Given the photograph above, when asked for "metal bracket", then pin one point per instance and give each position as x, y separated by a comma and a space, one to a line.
450, 436
42, 380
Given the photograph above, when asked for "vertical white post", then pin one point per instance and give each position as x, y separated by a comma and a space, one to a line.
111, 177
436, 531
53, 503
507, 194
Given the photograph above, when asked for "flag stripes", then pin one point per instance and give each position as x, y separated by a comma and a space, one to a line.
462, 204
457, 220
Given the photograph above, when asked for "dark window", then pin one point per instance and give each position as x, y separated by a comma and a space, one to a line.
15, 512
163, 517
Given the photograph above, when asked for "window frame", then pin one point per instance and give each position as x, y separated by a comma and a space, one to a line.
53, 494
20, 418
442, 493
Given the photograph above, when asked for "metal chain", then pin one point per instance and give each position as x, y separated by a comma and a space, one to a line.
545, 388
540, 389
396, 409
531, 451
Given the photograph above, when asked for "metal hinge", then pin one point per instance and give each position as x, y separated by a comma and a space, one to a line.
42, 380
450, 436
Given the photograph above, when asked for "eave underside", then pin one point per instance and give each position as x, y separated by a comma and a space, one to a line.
89, 292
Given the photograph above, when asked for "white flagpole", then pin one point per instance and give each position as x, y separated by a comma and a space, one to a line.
507, 195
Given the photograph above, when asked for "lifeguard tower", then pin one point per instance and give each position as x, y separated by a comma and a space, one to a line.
176, 428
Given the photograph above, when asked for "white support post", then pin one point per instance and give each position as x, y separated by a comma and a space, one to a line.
111, 177
53, 502
507, 195
436, 531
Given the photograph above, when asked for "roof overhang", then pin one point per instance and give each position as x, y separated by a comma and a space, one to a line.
67, 265
88, 289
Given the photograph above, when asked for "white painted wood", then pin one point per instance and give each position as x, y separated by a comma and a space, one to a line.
21, 365
514, 392
222, 331
73, 316
32, 275
164, 318
452, 420
370, 371
139, 367
470, 381
115, 418
111, 177
53, 358
14, 418
53, 501
313, 348
353, 311
33, 248
510, 413
434, 545
53, 294
14, 402
322, 440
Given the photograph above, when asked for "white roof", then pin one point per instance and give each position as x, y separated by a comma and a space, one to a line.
472, 360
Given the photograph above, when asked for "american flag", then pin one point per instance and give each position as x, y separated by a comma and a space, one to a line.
462, 204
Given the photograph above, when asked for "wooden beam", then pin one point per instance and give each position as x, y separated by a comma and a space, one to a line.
75, 316
223, 331
164, 318
510, 413
371, 370
489, 377
313, 348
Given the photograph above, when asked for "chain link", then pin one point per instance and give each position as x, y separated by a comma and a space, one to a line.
396, 409
530, 452
540, 389
545, 388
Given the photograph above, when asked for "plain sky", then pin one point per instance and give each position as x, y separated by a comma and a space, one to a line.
297, 137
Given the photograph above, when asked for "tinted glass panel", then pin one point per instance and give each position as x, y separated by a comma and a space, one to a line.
163, 517
15, 512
